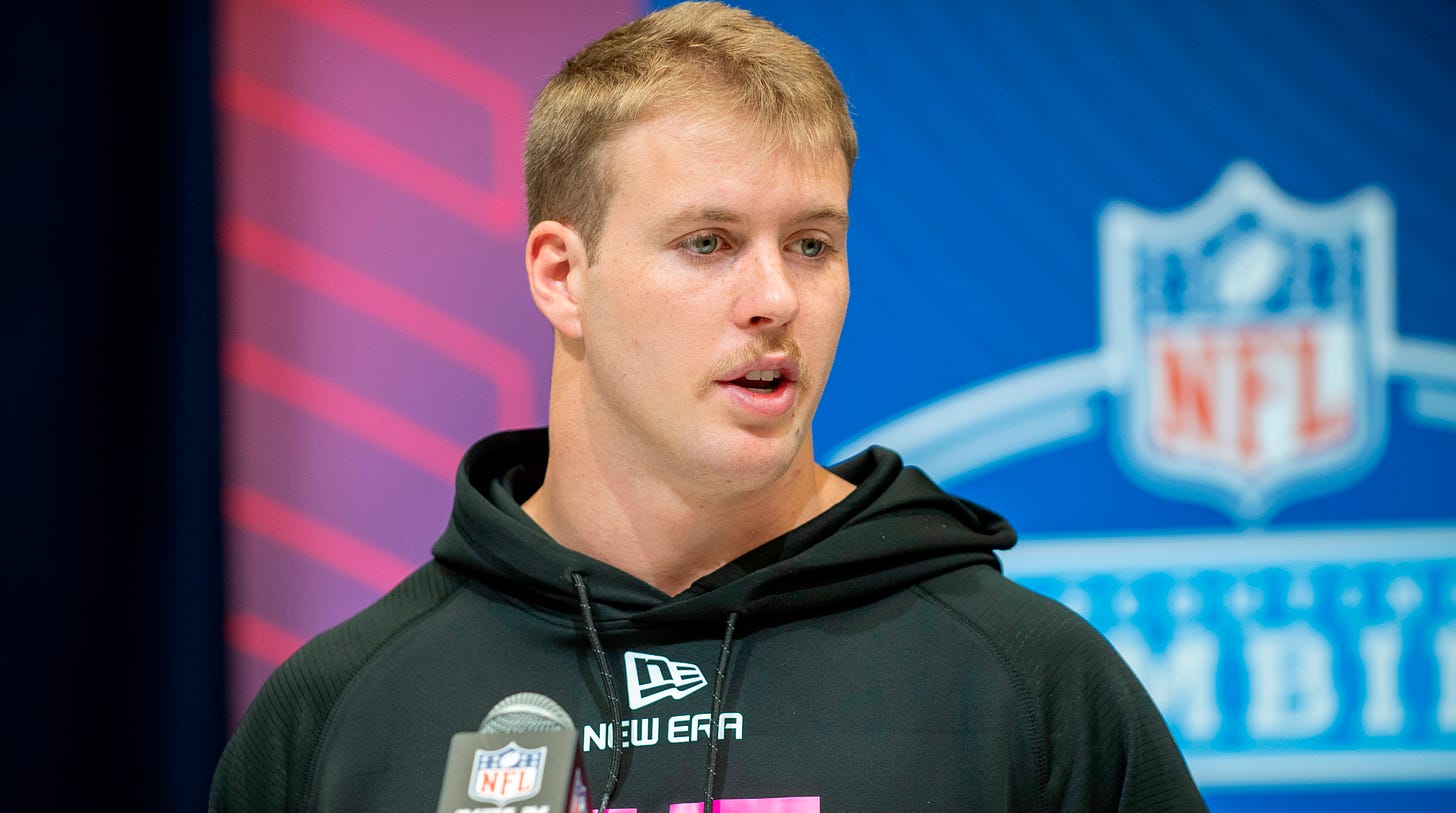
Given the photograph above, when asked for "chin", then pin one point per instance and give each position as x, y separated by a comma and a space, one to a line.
753, 459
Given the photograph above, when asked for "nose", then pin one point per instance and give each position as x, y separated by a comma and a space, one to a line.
768, 297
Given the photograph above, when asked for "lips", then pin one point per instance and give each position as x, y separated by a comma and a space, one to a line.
765, 386
761, 381
763, 371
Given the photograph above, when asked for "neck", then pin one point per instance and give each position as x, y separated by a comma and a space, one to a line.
667, 533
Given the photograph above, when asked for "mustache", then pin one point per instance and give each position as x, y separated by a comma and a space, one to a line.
758, 348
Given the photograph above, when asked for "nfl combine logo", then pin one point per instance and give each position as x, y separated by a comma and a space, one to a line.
506, 774
1253, 332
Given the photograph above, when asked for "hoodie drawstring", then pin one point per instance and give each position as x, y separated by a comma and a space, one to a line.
720, 684
609, 683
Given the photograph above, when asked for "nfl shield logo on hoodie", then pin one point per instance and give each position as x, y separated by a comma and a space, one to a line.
506, 774
1253, 332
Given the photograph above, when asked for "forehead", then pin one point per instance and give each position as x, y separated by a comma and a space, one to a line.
667, 164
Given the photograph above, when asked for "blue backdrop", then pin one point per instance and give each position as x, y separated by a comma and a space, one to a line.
1170, 285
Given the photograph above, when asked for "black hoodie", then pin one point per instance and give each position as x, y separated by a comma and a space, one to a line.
873, 659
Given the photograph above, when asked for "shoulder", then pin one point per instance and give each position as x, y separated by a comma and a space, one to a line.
1102, 744
1032, 634
269, 762
1055, 659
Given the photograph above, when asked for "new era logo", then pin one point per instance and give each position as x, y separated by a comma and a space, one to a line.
653, 677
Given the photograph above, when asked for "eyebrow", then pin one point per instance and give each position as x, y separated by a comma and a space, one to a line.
835, 214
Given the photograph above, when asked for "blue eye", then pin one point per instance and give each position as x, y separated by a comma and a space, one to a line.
706, 243
812, 247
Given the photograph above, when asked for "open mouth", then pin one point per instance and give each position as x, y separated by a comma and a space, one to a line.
761, 382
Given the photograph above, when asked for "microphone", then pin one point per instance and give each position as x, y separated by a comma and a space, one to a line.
526, 758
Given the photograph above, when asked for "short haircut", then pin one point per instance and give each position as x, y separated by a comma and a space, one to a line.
704, 58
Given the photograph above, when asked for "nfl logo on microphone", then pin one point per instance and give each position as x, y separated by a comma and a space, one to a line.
1253, 332
506, 774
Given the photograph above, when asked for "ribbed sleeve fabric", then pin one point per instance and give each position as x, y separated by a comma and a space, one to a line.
1100, 742
270, 761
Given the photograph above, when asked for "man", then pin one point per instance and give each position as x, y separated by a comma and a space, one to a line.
789, 636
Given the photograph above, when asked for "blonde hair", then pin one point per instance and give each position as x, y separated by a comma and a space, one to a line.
704, 57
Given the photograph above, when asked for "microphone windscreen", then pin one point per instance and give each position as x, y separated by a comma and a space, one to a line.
526, 712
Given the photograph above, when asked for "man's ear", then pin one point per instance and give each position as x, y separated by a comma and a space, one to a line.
556, 265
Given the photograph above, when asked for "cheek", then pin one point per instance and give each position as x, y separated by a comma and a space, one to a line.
827, 317
654, 327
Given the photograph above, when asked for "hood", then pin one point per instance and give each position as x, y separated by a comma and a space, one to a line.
896, 529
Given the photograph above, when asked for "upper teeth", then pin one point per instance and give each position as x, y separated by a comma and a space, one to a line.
763, 375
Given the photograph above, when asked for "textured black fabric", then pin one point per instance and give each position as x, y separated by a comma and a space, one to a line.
880, 662
272, 760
